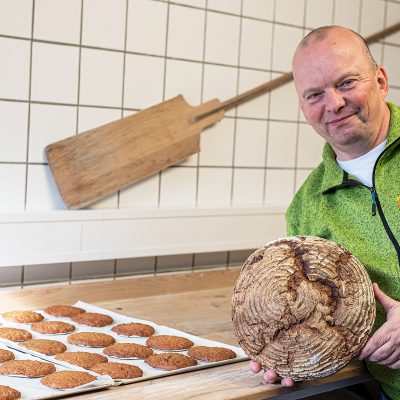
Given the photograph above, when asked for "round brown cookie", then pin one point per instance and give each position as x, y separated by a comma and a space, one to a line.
28, 368
63, 310
211, 354
82, 359
15, 334
92, 319
6, 355
67, 379
168, 342
118, 370
128, 350
170, 361
91, 339
52, 327
23, 317
45, 346
8, 393
133, 329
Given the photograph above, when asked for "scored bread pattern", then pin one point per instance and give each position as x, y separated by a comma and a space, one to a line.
302, 306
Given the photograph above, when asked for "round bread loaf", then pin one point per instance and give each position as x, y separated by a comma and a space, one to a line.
303, 306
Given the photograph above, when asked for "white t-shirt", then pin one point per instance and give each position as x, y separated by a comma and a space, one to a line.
362, 167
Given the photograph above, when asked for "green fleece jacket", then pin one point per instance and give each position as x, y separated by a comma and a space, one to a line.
335, 206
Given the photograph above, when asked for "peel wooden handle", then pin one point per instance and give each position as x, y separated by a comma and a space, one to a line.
282, 80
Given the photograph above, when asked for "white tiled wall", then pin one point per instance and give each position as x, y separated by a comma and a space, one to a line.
71, 65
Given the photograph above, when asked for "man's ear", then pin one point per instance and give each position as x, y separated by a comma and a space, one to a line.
382, 81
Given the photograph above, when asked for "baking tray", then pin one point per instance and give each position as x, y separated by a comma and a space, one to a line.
32, 389
148, 372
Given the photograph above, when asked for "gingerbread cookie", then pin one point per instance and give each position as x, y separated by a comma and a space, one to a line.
92, 319
128, 350
28, 368
67, 379
118, 370
63, 310
211, 354
8, 393
170, 361
53, 327
168, 342
91, 339
23, 317
6, 355
82, 359
45, 346
15, 334
133, 329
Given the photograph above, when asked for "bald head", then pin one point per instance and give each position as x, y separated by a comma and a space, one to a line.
325, 32
341, 90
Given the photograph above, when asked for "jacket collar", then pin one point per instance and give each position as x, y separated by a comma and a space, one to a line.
334, 176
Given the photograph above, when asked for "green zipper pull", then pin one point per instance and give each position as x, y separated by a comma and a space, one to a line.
373, 201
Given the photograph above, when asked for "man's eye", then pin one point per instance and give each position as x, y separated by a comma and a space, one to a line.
347, 83
313, 97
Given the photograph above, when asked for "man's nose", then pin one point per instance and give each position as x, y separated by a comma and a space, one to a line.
334, 100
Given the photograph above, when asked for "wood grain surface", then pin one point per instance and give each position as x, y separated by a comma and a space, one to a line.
98, 162
198, 303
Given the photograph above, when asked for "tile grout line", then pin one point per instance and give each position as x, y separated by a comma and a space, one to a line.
271, 63
160, 173
29, 107
156, 259
297, 139
196, 200
28, 126
78, 107
115, 272
236, 108
123, 82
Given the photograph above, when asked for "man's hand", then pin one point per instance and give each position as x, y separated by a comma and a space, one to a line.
383, 347
270, 376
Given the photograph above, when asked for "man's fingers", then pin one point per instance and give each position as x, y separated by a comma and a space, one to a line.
395, 365
376, 341
288, 382
385, 301
386, 354
271, 376
255, 367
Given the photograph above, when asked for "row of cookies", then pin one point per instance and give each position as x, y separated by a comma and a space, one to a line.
90, 360
86, 360
138, 352
46, 379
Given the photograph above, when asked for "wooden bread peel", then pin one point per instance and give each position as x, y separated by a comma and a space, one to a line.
103, 160
98, 162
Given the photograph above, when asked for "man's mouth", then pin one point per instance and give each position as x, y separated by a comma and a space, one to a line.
339, 121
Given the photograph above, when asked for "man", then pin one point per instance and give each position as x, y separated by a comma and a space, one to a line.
352, 197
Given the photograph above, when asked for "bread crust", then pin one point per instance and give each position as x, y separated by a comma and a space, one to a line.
303, 306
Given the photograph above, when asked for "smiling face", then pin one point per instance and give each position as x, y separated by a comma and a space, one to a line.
342, 93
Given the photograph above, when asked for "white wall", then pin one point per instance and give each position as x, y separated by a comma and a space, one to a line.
70, 65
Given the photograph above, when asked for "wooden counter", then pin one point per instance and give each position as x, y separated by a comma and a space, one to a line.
197, 303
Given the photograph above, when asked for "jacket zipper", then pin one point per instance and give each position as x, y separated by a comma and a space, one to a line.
373, 196
377, 205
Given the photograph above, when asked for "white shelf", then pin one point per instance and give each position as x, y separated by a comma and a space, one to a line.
64, 236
